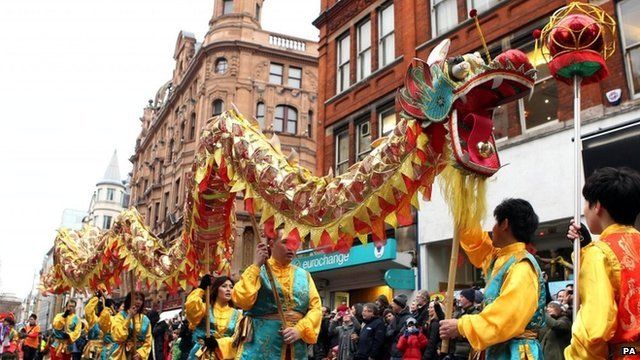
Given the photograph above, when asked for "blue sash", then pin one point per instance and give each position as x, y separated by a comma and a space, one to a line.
510, 350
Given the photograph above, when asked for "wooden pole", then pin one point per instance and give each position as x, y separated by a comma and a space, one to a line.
133, 319
207, 300
453, 265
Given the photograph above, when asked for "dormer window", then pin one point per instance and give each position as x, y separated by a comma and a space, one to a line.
221, 65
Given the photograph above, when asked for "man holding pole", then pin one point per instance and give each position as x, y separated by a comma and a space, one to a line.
66, 330
263, 335
514, 295
608, 322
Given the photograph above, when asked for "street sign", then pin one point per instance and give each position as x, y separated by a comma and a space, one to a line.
400, 279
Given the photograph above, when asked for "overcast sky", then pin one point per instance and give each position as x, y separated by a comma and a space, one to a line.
75, 75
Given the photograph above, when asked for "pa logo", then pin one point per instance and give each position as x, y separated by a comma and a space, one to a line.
629, 350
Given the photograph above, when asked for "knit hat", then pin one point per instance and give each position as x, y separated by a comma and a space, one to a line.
479, 296
411, 320
400, 300
469, 294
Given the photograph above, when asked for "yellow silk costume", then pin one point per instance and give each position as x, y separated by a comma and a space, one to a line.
70, 325
509, 314
120, 331
246, 291
195, 310
90, 312
599, 284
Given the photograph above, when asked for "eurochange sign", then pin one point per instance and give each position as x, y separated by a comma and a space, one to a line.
358, 255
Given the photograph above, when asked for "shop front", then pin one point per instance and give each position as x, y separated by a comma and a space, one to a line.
359, 275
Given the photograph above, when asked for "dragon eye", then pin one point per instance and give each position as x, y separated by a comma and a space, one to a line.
458, 60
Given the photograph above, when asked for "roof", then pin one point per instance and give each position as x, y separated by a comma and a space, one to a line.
112, 174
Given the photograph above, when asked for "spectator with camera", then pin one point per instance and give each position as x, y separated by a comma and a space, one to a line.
412, 341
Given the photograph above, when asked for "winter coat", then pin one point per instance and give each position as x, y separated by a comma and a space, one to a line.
395, 330
412, 345
346, 347
371, 340
321, 347
433, 343
421, 315
460, 346
555, 337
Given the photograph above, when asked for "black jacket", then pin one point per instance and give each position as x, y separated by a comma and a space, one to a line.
421, 315
395, 330
320, 348
431, 351
371, 340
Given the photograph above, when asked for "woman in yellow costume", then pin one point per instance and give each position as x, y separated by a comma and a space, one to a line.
92, 311
122, 327
223, 318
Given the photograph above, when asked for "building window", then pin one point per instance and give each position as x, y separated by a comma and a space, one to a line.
177, 192
445, 15
295, 77
286, 119
227, 7
342, 152
170, 150
364, 50
166, 205
542, 106
310, 124
482, 5
221, 65
98, 195
387, 121
156, 213
148, 219
106, 222
629, 11
386, 47
258, 12
218, 107
363, 139
343, 63
260, 114
111, 193
275, 74
192, 127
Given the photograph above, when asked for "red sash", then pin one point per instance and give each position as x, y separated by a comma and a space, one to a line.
625, 244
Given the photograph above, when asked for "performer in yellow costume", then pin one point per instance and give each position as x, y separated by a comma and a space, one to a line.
92, 310
123, 323
262, 334
515, 294
223, 318
609, 282
66, 330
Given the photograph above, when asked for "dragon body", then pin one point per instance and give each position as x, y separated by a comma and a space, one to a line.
444, 128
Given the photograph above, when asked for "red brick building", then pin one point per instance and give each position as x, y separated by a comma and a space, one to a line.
366, 46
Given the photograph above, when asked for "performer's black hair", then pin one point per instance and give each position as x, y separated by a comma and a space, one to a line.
216, 285
523, 221
127, 301
617, 190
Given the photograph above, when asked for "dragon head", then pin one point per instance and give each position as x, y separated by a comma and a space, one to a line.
460, 94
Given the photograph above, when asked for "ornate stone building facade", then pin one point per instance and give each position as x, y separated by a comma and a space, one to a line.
269, 76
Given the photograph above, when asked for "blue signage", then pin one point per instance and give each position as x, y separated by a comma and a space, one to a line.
401, 279
358, 255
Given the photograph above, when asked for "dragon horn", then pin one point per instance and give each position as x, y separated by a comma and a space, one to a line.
408, 104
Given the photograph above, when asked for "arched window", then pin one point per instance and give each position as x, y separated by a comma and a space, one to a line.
218, 107
310, 124
260, 114
221, 65
286, 119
